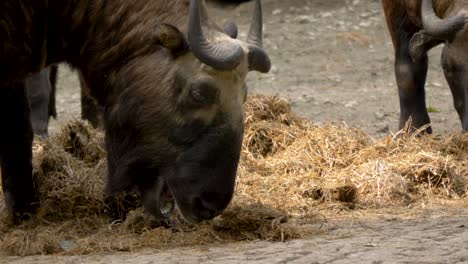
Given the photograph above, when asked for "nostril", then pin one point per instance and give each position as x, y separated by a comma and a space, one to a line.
205, 210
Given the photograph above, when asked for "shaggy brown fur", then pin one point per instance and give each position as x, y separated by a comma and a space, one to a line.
409, 10
91, 35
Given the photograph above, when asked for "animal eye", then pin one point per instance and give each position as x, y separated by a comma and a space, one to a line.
197, 95
203, 94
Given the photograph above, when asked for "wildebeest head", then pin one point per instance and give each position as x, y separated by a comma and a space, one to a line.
176, 129
451, 31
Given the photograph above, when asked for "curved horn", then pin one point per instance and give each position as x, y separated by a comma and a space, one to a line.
440, 28
226, 55
255, 36
258, 58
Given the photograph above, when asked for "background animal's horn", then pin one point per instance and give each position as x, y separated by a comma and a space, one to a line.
225, 55
440, 28
255, 36
258, 58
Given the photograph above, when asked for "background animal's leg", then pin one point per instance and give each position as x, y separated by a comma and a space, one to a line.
53, 91
39, 90
15, 152
410, 73
411, 78
90, 109
457, 78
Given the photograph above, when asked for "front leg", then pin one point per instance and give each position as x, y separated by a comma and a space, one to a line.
16, 152
90, 109
411, 77
38, 90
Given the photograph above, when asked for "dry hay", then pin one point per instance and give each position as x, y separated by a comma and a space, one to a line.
291, 171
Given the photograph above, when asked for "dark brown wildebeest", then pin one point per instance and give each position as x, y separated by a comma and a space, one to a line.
417, 26
171, 83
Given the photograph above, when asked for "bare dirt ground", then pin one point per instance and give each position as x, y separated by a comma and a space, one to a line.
333, 60
439, 236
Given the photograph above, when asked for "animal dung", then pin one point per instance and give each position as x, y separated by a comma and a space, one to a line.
292, 173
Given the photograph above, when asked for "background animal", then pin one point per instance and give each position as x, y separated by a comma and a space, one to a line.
41, 90
417, 26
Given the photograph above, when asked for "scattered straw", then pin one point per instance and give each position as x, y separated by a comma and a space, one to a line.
290, 171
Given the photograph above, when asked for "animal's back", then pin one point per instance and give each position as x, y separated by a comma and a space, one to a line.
22, 28
411, 9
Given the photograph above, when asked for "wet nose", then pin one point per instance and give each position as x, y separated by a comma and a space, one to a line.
205, 210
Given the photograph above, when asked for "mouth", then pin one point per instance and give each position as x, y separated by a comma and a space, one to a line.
166, 201
167, 205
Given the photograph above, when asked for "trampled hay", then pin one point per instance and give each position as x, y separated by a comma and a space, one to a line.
291, 172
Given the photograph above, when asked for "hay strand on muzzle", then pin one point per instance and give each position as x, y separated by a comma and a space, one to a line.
290, 170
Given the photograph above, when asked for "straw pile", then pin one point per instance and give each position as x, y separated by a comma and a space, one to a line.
291, 173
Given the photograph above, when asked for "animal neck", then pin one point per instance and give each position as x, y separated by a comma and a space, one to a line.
413, 8
118, 30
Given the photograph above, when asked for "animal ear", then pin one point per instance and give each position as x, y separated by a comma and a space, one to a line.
230, 28
171, 38
421, 43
